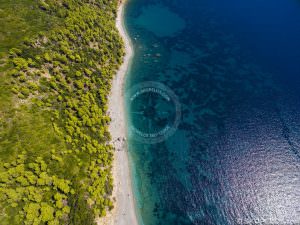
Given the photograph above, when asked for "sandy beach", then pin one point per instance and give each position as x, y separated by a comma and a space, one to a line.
124, 210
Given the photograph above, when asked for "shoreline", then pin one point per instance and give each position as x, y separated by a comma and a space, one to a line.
124, 211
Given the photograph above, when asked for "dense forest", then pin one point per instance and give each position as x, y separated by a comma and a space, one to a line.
57, 60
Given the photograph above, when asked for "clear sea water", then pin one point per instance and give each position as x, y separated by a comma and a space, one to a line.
235, 68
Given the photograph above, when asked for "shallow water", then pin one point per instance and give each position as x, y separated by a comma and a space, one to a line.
217, 140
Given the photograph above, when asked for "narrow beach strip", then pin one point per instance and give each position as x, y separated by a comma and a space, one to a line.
124, 212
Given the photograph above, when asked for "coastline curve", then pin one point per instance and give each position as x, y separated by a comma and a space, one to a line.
124, 212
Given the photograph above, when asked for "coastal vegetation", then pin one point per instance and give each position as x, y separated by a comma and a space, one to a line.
57, 62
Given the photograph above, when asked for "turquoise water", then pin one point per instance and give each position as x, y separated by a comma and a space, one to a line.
214, 137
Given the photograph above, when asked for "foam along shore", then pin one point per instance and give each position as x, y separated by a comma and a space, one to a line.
124, 211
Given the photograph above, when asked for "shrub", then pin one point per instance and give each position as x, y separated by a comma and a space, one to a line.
20, 63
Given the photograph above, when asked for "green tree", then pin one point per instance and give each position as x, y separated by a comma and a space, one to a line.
47, 212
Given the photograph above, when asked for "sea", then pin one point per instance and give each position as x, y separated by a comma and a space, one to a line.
213, 111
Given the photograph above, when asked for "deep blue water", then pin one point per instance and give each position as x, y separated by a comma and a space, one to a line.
214, 138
